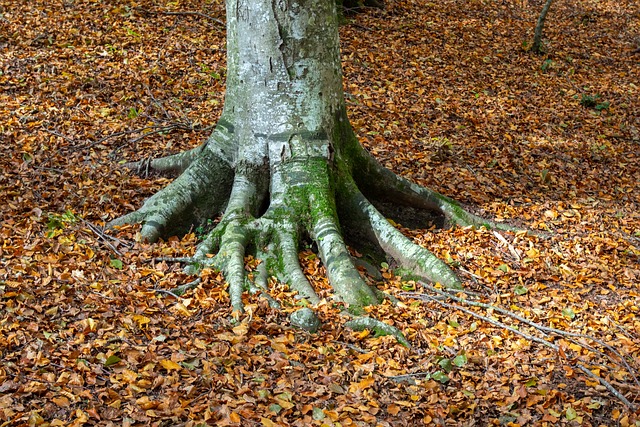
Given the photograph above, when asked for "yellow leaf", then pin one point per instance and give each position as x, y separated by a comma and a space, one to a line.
365, 383
533, 253
128, 376
241, 329
365, 333
141, 320
170, 365
234, 417
180, 308
284, 403
267, 422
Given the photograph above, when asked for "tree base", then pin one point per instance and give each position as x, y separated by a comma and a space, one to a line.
268, 211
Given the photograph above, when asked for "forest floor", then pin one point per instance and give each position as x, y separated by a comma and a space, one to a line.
445, 93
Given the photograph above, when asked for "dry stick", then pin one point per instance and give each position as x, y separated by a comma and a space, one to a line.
54, 133
117, 134
509, 245
353, 347
186, 13
623, 330
164, 291
474, 276
160, 130
607, 385
104, 237
543, 328
184, 260
180, 290
157, 103
202, 15
532, 338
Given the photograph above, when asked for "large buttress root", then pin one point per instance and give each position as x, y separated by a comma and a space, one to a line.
268, 209
398, 190
200, 192
412, 257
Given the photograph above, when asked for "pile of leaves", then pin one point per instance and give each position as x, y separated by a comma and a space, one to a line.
445, 93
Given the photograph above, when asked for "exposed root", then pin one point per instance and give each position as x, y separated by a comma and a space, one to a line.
342, 274
301, 198
192, 198
397, 189
291, 270
230, 260
378, 327
176, 163
413, 257
270, 200
306, 319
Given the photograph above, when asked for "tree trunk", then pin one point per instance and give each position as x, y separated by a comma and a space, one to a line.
537, 37
284, 165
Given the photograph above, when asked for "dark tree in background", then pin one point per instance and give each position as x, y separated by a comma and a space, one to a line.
537, 36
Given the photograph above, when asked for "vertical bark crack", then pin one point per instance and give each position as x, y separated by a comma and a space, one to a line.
282, 47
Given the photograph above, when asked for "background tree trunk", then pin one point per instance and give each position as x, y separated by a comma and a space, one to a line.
537, 37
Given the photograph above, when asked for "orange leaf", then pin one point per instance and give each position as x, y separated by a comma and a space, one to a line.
393, 409
170, 365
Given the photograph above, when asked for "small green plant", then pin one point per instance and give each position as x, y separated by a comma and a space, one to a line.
205, 69
132, 33
589, 101
593, 101
546, 65
133, 113
59, 221
204, 228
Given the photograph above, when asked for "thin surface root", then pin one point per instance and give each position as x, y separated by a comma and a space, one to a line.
378, 327
175, 163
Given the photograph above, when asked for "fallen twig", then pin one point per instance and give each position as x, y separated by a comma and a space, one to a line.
543, 328
525, 335
185, 260
353, 347
103, 236
508, 245
185, 13
180, 290
164, 291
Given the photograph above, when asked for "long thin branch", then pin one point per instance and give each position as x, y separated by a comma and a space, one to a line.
103, 236
529, 337
607, 385
540, 327
200, 14
184, 13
